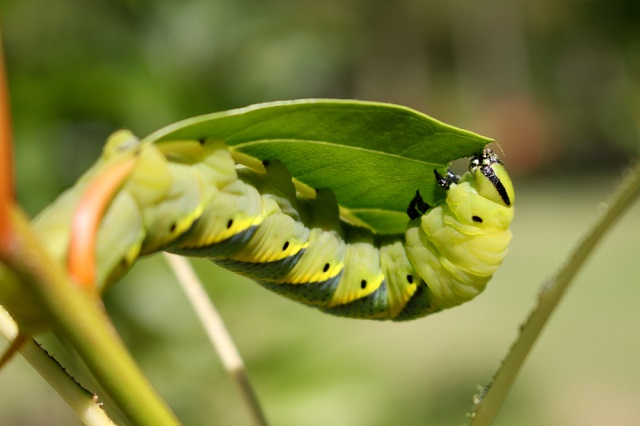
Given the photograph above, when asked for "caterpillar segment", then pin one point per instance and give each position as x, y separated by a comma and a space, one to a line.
190, 197
302, 250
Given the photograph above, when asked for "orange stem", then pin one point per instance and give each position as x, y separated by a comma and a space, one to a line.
86, 219
6, 164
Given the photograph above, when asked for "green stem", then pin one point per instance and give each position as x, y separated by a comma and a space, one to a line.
75, 313
81, 401
79, 317
488, 404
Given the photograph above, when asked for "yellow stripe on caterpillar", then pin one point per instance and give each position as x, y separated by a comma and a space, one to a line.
362, 274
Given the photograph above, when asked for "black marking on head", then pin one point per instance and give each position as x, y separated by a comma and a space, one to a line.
490, 174
326, 267
409, 278
363, 284
172, 227
266, 163
487, 158
476, 219
285, 246
230, 223
417, 207
202, 140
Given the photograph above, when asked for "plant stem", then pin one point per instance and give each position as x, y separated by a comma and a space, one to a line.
6, 151
81, 401
79, 317
218, 334
488, 404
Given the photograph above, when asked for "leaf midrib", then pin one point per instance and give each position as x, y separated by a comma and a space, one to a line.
330, 144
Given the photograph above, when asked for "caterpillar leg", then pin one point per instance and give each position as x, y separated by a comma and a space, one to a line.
446, 180
417, 207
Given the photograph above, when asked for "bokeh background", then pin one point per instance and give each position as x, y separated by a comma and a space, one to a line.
556, 82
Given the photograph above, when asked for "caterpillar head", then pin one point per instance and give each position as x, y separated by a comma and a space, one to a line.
491, 178
483, 197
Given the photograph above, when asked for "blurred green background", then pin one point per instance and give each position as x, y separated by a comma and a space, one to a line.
555, 82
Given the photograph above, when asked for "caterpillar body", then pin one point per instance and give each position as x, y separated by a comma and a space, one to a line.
191, 197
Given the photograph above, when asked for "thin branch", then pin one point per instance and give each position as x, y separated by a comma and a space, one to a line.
217, 332
81, 401
488, 404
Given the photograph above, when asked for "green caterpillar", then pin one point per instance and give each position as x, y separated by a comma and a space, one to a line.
191, 197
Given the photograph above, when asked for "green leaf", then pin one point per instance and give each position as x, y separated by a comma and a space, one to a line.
374, 156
